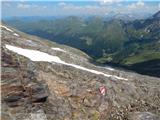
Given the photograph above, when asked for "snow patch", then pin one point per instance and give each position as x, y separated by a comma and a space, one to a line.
109, 68
58, 49
16, 34
6, 28
35, 55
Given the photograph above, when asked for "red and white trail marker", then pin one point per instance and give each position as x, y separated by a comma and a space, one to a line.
102, 90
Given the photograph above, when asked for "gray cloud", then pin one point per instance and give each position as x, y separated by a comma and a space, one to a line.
138, 4
23, 5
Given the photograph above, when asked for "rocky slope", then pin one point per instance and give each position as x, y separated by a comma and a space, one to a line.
42, 80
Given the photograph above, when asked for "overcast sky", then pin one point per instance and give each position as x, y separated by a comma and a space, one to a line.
76, 7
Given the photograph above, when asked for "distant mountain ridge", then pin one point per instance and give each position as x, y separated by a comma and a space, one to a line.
157, 15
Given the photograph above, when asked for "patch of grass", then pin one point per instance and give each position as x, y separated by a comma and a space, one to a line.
103, 60
141, 58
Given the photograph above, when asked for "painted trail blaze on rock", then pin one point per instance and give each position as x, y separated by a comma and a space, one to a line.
102, 90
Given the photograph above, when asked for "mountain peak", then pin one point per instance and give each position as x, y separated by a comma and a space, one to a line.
157, 15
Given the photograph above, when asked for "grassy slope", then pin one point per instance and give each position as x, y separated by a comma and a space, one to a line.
141, 58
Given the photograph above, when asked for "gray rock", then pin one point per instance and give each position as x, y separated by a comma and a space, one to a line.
143, 116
